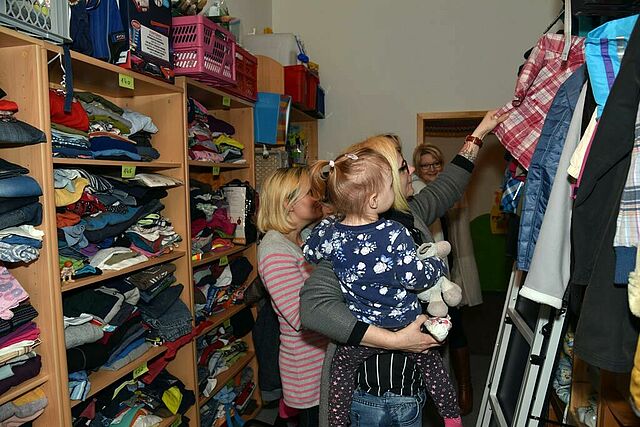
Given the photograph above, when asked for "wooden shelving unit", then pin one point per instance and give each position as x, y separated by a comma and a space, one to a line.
29, 67
239, 113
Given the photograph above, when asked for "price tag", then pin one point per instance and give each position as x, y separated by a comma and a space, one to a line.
128, 171
226, 101
177, 422
227, 323
140, 370
216, 170
125, 81
224, 261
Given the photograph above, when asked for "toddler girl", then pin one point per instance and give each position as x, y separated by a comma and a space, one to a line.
379, 272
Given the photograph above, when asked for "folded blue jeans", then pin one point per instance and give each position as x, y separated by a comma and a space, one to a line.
19, 186
30, 215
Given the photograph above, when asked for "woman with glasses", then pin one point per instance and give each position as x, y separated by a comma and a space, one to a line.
453, 227
389, 392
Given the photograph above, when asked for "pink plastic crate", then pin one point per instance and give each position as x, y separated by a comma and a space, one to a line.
203, 50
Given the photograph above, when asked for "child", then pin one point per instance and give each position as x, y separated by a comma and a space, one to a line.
379, 271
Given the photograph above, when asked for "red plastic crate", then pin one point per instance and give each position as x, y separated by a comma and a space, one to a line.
313, 81
203, 50
246, 76
295, 84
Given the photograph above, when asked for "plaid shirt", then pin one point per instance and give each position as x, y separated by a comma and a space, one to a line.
628, 224
541, 77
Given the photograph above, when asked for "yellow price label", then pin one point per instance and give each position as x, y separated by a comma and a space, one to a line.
140, 370
227, 323
224, 261
226, 101
128, 171
125, 81
177, 422
216, 170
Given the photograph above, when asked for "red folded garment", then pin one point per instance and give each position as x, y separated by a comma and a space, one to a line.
76, 119
8, 106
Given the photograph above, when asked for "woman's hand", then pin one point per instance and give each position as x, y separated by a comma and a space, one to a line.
412, 339
488, 123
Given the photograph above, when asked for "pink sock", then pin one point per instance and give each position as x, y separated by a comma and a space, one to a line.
453, 422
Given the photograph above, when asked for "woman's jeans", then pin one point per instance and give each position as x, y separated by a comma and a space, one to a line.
389, 410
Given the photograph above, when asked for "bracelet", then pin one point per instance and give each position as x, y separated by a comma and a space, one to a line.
474, 139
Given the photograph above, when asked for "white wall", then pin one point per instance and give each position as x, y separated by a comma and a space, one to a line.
382, 62
252, 13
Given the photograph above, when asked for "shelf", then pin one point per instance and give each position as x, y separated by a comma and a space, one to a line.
166, 422
115, 163
224, 377
11, 38
23, 388
102, 379
255, 412
298, 115
218, 319
80, 283
210, 257
211, 97
222, 166
91, 74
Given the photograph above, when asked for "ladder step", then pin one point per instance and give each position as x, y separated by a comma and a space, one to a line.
520, 325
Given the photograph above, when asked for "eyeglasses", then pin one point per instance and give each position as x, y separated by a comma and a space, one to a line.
431, 166
404, 167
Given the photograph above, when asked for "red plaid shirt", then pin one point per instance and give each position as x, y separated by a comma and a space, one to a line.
541, 77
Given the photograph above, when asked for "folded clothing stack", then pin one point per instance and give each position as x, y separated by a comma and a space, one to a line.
211, 139
217, 352
233, 400
211, 228
106, 223
24, 409
215, 286
137, 404
19, 211
14, 131
98, 129
112, 325
19, 336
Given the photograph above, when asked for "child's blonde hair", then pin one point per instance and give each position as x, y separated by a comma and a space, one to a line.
388, 146
281, 190
347, 182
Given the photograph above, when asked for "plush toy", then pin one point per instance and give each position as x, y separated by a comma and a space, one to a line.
439, 297
562, 378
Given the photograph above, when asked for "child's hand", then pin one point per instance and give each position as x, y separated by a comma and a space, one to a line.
412, 339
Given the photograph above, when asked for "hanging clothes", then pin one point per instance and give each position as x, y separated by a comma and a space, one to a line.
541, 77
544, 164
606, 333
550, 263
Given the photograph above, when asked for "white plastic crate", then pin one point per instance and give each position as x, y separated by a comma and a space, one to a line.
47, 19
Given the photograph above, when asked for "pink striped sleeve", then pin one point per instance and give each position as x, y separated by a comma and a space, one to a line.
283, 278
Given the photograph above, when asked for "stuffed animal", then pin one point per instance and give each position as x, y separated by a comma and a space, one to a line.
445, 293
439, 297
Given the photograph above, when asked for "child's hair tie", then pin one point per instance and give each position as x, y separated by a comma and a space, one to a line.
351, 156
331, 164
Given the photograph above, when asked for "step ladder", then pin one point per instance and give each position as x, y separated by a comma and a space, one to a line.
523, 361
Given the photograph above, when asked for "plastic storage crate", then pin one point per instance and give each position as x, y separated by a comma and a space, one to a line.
49, 20
295, 84
203, 50
246, 76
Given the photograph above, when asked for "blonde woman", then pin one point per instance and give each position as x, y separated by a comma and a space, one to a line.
286, 208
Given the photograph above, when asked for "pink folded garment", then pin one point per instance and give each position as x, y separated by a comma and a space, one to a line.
11, 293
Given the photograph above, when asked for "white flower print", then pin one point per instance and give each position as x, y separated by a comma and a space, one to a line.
327, 247
383, 290
393, 235
400, 295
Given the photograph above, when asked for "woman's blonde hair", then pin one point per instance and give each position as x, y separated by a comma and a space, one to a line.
430, 149
349, 181
388, 146
281, 190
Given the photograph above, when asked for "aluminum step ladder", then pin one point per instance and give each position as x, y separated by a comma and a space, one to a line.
523, 361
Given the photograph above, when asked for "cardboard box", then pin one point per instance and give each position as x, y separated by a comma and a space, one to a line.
148, 26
